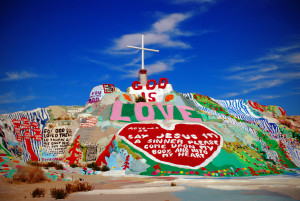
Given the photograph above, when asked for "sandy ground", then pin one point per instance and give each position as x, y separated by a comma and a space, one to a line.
151, 188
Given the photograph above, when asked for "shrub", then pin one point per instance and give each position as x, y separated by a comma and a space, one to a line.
46, 165
94, 166
58, 193
50, 164
79, 186
59, 167
74, 165
38, 192
30, 175
105, 168
140, 99
173, 184
33, 163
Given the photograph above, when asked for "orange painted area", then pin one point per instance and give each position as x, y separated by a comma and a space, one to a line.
169, 97
126, 97
15, 161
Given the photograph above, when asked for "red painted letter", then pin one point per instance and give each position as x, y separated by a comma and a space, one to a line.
136, 85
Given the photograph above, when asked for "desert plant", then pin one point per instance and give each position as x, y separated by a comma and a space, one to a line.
173, 184
79, 186
140, 99
94, 166
29, 175
69, 188
46, 165
33, 163
58, 193
74, 165
59, 167
104, 168
50, 164
38, 192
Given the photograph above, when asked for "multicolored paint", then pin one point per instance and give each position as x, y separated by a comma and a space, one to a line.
178, 134
180, 145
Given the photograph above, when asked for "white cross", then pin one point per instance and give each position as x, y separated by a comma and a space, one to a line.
142, 48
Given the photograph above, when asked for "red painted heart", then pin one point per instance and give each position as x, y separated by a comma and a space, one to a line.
182, 145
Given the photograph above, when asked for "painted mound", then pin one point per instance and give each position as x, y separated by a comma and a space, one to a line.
170, 134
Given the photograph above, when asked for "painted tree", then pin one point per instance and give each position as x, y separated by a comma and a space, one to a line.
75, 155
157, 166
273, 169
106, 153
126, 163
252, 171
27, 131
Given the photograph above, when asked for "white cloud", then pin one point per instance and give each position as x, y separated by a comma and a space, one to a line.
10, 97
269, 57
104, 77
158, 67
255, 78
293, 58
230, 94
170, 22
14, 76
268, 96
164, 32
271, 70
266, 84
287, 48
242, 68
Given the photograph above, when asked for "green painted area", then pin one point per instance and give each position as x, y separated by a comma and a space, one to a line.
229, 158
4, 148
229, 163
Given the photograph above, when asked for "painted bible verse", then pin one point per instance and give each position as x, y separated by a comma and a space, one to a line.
181, 145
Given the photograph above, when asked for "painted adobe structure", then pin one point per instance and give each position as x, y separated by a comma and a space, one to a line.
170, 134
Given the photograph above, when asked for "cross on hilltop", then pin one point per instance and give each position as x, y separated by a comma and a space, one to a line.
142, 48
143, 72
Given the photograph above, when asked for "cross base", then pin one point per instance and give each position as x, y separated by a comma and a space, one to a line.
143, 77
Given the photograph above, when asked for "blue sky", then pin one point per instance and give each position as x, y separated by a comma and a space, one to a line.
53, 52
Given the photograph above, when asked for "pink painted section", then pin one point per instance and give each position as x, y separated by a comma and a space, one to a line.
138, 109
186, 115
116, 112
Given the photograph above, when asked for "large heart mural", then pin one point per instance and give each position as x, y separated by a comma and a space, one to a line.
181, 145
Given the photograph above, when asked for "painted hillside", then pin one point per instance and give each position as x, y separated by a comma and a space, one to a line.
159, 133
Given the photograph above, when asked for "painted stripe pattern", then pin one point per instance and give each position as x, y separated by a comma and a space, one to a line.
40, 116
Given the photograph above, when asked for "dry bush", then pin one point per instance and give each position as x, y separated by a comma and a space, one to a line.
59, 167
74, 165
33, 163
29, 174
46, 165
173, 184
140, 99
94, 166
58, 193
79, 186
105, 168
38, 192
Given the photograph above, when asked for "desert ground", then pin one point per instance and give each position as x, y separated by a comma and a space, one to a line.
113, 188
